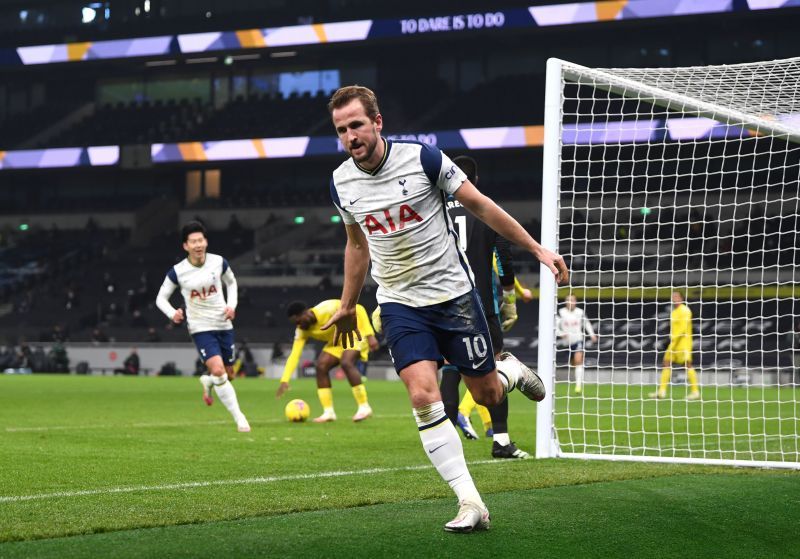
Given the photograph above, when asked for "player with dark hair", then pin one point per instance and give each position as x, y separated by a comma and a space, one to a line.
481, 243
391, 196
308, 321
209, 316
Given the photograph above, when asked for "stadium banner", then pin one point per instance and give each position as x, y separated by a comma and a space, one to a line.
305, 146
499, 137
362, 30
94, 156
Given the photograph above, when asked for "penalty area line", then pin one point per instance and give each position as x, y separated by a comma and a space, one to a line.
215, 483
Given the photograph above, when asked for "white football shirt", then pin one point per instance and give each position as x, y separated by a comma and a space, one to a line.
400, 207
201, 287
573, 324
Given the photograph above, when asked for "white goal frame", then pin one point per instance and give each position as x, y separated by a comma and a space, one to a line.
558, 73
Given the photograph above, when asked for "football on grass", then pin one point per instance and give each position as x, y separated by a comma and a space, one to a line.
297, 411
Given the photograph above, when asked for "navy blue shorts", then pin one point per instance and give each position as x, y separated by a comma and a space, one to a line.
455, 330
216, 342
577, 346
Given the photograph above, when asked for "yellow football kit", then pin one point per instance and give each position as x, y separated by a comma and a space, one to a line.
323, 312
679, 351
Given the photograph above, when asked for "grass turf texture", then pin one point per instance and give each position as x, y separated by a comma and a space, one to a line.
744, 423
135, 446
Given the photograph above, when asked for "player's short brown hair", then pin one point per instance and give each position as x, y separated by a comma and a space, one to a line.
347, 93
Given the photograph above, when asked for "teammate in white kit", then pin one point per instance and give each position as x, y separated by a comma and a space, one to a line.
571, 326
209, 316
391, 196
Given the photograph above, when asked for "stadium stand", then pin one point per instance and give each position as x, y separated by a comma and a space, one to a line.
494, 84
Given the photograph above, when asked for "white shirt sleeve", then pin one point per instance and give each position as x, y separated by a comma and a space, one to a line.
347, 217
451, 177
588, 326
162, 300
232, 289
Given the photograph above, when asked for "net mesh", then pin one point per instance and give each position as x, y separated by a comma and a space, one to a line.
678, 180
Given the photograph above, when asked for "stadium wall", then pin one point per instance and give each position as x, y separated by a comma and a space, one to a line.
104, 358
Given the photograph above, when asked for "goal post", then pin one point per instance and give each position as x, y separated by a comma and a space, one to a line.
666, 180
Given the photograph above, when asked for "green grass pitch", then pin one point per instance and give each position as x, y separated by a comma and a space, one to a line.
139, 467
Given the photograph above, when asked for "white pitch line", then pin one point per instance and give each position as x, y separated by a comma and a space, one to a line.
200, 484
157, 425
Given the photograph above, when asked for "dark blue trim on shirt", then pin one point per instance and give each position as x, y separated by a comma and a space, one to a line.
335, 195
173, 276
430, 157
225, 266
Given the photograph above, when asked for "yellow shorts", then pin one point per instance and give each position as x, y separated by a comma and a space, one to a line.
679, 356
337, 350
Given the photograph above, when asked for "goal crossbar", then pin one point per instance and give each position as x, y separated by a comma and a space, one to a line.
607, 81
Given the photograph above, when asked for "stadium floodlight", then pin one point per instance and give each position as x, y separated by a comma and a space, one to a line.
700, 166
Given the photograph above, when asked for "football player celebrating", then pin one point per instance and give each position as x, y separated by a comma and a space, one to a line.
391, 196
209, 316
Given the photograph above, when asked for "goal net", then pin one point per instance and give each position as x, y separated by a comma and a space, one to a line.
674, 180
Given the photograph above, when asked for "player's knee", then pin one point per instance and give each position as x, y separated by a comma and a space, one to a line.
350, 368
423, 396
489, 395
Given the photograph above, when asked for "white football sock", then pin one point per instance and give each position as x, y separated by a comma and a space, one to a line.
443, 447
227, 395
579, 375
207, 382
508, 371
503, 439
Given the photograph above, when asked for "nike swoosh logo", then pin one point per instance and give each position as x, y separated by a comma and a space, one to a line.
431, 451
354, 201
481, 362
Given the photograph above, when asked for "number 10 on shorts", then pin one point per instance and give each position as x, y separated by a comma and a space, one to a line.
475, 346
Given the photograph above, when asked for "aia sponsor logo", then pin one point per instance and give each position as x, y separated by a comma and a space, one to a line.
203, 293
388, 223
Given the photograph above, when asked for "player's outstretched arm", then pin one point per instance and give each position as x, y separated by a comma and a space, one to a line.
495, 217
356, 262
291, 364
